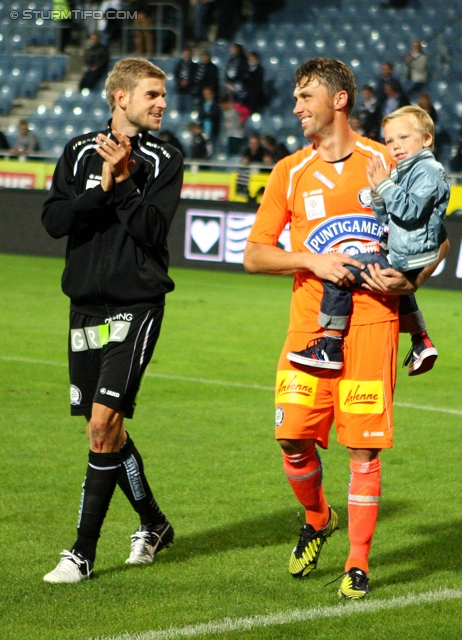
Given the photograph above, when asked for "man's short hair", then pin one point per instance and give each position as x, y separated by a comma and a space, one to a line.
126, 74
334, 75
418, 117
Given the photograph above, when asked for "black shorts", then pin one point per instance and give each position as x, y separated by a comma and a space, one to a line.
108, 356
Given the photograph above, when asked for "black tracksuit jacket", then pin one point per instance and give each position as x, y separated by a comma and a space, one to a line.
117, 252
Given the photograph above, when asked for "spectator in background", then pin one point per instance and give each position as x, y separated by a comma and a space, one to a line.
143, 36
236, 73
424, 101
442, 142
4, 144
416, 69
210, 115
255, 97
201, 18
110, 29
395, 98
386, 75
369, 113
184, 72
455, 161
255, 151
206, 75
229, 16
26, 141
231, 124
96, 60
200, 146
273, 150
355, 124
167, 136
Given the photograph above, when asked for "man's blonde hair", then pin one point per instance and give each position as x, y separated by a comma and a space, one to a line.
126, 74
418, 117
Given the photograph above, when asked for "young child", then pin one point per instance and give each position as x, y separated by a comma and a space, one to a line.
411, 200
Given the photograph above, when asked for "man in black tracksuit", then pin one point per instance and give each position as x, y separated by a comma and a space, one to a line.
114, 195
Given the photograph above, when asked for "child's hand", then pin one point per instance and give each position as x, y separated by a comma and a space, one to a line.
376, 172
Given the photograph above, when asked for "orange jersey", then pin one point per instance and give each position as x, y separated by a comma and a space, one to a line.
327, 211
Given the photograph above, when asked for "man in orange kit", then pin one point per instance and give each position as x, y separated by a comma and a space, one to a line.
323, 193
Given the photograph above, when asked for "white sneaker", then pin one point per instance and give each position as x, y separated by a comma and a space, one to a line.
145, 543
72, 568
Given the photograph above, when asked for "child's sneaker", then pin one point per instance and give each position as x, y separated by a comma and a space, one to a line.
325, 353
421, 356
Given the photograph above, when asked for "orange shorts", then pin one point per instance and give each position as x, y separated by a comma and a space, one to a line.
359, 397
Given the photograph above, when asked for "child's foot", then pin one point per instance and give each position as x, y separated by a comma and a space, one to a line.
421, 356
325, 353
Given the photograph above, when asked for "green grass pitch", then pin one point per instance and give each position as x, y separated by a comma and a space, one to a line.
204, 424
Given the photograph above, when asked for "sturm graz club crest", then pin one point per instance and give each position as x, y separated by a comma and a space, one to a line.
365, 197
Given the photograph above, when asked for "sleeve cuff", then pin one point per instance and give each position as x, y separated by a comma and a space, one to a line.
98, 197
124, 188
384, 186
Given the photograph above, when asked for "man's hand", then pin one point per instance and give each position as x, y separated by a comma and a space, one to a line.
264, 258
331, 266
116, 154
387, 281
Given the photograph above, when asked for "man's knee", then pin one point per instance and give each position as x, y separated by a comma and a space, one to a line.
105, 429
295, 446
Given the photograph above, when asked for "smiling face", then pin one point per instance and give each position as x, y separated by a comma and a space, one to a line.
145, 106
314, 108
403, 139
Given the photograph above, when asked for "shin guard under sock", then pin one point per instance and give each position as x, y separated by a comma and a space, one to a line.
98, 487
304, 473
363, 509
135, 486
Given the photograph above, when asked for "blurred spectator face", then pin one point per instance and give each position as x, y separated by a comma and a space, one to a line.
386, 70
368, 94
424, 101
205, 57
186, 54
390, 90
254, 143
355, 124
416, 46
253, 59
23, 127
208, 94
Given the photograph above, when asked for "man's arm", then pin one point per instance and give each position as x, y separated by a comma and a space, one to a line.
146, 217
265, 258
389, 281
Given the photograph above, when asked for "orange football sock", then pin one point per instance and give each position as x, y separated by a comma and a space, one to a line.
363, 509
304, 473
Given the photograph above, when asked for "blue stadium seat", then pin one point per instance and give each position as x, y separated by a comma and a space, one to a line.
56, 67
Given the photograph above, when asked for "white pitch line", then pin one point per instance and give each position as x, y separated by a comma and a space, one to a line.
225, 383
228, 625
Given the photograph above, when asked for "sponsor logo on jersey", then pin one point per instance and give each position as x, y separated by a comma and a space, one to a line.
279, 418
314, 206
76, 395
365, 198
373, 434
322, 178
127, 317
361, 396
107, 392
354, 226
98, 336
295, 387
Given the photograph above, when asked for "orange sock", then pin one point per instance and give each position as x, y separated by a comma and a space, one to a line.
304, 473
363, 509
